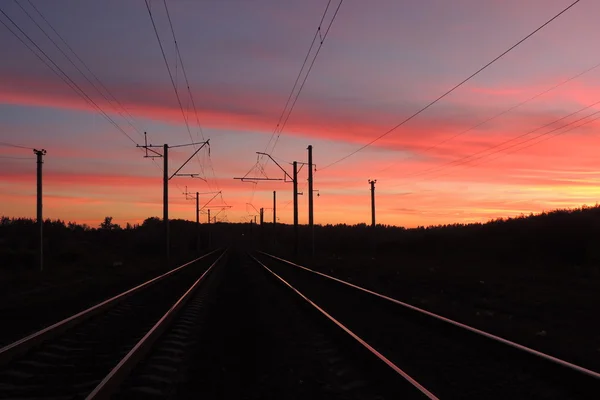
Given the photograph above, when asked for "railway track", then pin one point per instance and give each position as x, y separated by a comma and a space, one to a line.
262, 327
259, 341
439, 357
88, 354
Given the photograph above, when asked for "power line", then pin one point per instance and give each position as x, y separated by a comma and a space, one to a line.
162, 50
87, 68
469, 158
183, 70
187, 83
499, 115
298, 77
6, 144
449, 91
286, 112
185, 118
65, 77
280, 130
530, 145
527, 140
17, 158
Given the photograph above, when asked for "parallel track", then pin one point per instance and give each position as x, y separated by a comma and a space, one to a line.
451, 359
72, 358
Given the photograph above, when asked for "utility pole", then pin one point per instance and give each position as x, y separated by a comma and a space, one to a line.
166, 201
208, 215
197, 222
167, 178
295, 182
286, 178
274, 208
262, 216
40, 220
310, 201
188, 196
372, 183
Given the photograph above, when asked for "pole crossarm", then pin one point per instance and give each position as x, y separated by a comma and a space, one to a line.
195, 176
192, 156
192, 144
276, 163
148, 147
259, 179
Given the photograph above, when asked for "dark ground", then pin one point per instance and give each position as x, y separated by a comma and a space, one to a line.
531, 280
553, 311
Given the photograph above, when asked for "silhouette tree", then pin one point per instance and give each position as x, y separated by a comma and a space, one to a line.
108, 224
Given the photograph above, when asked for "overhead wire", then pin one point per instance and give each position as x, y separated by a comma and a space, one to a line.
64, 77
469, 158
297, 77
421, 110
129, 120
280, 130
512, 108
17, 146
190, 94
287, 111
17, 158
162, 50
187, 83
545, 135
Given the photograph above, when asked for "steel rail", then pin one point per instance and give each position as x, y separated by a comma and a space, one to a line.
107, 387
21, 346
361, 341
547, 357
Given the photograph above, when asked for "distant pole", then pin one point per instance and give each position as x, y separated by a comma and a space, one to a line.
274, 207
40, 154
197, 221
262, 216
310, 201
166, 199
209, 231
372, 183
295, 182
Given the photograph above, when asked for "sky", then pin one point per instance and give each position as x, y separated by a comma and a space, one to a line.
518, 138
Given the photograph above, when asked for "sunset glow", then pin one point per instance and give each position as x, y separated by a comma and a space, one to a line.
380, 63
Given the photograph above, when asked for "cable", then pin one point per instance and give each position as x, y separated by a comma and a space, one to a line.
65, 77
449, 91
525, 141
498, 115
17, 158
162, 50
15, 145
216, 184
286, 112
86, 67
298, 77
466, 159
308, 72
191, 97
183, 70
